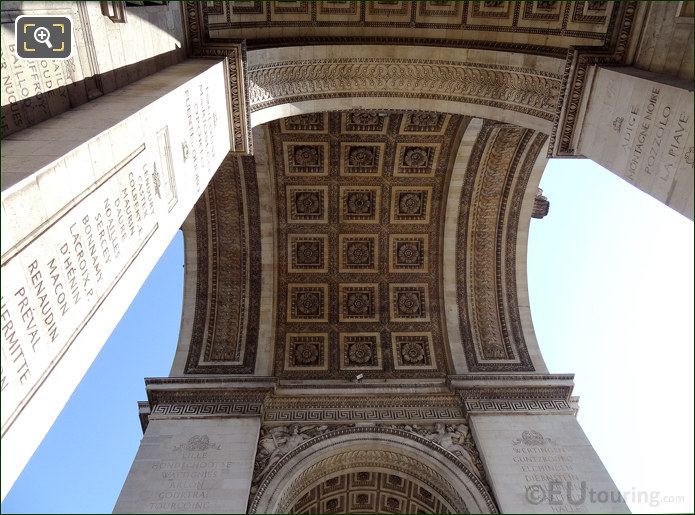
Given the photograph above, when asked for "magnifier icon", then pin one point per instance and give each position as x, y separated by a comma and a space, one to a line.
43, 35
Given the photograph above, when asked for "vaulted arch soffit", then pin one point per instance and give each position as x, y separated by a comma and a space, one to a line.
258, 308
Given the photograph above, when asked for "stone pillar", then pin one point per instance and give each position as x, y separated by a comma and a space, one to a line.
192, 466
639, 125
106, 56
199, 447
541, 463
90, 200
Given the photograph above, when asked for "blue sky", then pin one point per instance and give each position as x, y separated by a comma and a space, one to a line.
611, 286
83, 461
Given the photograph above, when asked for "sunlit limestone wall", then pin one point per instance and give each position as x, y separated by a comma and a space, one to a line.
639, 125
543, 463
85, 220
106, 55
192, 466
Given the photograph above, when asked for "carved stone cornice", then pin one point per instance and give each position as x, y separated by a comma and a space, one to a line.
237, 88
515, 393
341, 402
144, 414
234, 53
535, 406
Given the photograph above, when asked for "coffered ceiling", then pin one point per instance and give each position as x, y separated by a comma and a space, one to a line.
358, 199
385, 243
537, 27
368, 491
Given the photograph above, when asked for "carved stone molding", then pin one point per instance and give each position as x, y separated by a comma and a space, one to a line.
225, 325
498, 172
454, 438
333, 404
536, 406
234, 53
518, 89
280, 446
600, 35
237, 90
187, 397
409, 408
575, 80
144, 414
490, 25
515, 393
235, 407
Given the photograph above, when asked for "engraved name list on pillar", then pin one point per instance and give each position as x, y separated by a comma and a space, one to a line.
53, 284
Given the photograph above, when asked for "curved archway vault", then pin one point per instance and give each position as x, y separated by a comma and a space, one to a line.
383, 241
356, 333
359, 256
367, 470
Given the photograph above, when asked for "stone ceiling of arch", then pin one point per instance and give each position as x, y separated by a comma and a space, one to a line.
359, 201
535, 27
370, 491
361, 208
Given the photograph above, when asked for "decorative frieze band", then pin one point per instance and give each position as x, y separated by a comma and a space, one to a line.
517, 405
324, 415
168, 399
227, 305
278, 406
492, 192
361, 409
241, 408
506, 87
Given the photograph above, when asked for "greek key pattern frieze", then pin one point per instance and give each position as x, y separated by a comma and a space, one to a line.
364, 414
348, 409
516, 405
207, 409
